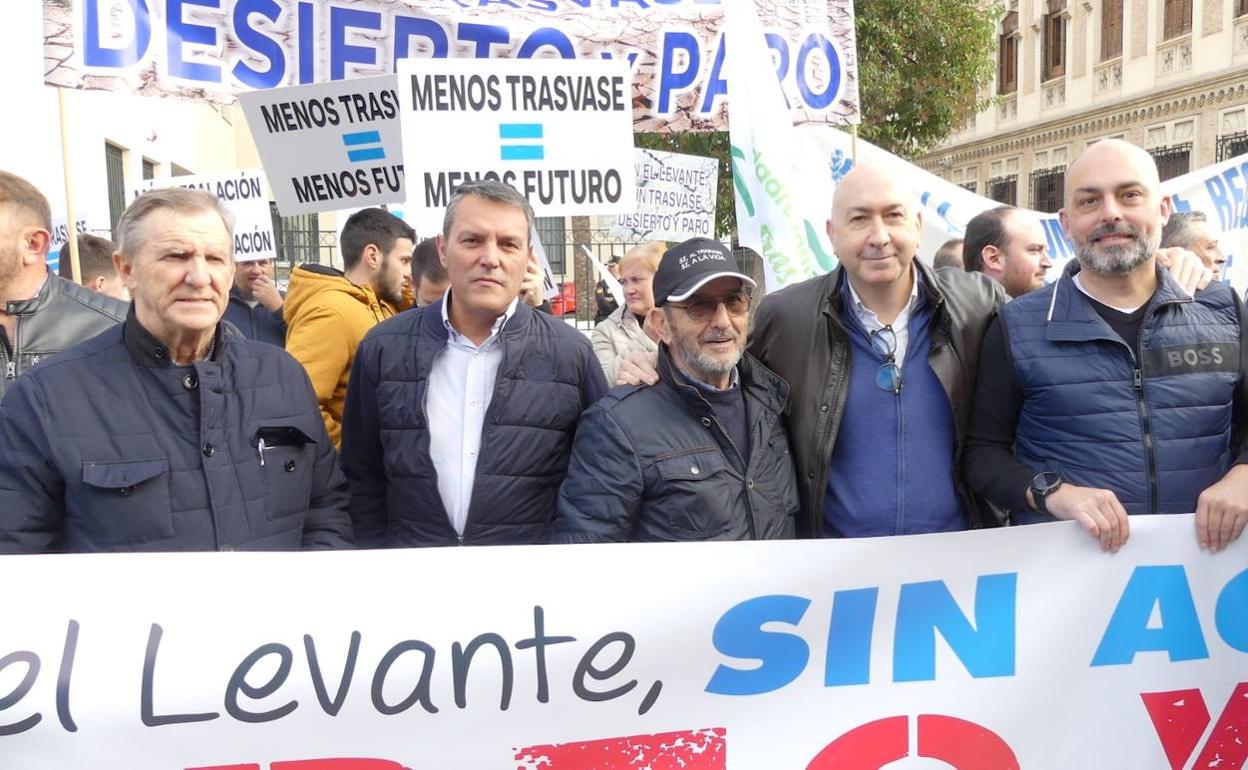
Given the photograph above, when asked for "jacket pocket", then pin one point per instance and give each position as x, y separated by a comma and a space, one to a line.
698, 496
287, 455
123, 503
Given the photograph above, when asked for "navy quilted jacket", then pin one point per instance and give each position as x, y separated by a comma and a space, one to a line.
110, 447
548, 376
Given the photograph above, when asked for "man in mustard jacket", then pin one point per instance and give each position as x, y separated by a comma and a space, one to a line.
329, 311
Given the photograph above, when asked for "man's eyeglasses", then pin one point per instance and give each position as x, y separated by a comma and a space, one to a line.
888, 376
737, 303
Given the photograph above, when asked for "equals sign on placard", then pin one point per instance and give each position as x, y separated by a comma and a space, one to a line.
358, 149
529, 133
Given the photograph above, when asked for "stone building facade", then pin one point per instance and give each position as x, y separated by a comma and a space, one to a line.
1168, 75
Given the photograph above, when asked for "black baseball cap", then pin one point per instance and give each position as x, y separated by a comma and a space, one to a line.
690, 265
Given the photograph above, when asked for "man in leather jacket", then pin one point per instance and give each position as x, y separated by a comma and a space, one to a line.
41, 314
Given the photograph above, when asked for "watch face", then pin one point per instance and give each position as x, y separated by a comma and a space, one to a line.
1045, 482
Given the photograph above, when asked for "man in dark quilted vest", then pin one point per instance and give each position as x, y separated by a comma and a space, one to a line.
459, 415
1113, 392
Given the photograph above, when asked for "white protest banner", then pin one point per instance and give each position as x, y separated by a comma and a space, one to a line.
558, 131
1001, 649
675, 48
59, 230
243, 194
675, 198
331, 146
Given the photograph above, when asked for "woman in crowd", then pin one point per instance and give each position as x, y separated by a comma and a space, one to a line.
622, 332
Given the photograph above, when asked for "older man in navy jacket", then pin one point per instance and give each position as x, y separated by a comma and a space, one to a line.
171, 431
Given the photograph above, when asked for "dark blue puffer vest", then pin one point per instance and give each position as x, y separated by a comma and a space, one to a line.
1151, 421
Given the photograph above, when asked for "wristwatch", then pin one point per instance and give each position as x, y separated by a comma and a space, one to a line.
1043, 485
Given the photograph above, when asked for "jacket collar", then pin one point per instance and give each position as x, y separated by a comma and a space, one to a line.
835, 289
432, 321
1072, 318
28, 306
151, 352
755, 380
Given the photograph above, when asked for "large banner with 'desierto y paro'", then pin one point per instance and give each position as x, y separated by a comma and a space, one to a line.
1003, 649
675, 49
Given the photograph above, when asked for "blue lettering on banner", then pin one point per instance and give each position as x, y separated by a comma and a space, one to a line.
739, 634
340, 52
1230, 615
849, 637
1179, 634
670, 80
182, 32
1178, 204
262, 44
1229, 197
96, 55
986, 649
1059, 247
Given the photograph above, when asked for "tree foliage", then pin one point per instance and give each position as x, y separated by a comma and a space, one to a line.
921, 67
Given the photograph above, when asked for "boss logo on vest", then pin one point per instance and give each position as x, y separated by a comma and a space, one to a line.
1193, 359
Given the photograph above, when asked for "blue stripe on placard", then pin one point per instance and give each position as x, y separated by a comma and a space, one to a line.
521, 152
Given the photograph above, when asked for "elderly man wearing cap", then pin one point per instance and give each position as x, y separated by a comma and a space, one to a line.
702, 454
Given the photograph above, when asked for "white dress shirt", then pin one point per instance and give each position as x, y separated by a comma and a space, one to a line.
901, 324
461, 385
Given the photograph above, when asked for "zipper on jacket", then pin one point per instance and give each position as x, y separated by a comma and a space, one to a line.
1150, 453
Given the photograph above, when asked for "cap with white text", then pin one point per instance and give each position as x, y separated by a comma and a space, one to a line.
690, 265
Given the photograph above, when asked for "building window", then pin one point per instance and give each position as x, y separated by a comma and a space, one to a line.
972, 186
1007, 55
1232, 145
1004, 189
298, 237
1177, 18
1172, 161
149, 169
115, 167
550, 230
176, 170
1111, 29
1055, 40
1241, 8
1046, 189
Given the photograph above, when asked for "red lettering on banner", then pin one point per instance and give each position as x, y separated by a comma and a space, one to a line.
962, 744
866, 747
704, 749
956, 742
1180, 718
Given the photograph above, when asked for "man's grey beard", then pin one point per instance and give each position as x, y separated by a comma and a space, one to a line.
1117, 260
705, 366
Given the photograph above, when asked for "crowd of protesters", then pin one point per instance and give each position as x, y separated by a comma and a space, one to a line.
424, 395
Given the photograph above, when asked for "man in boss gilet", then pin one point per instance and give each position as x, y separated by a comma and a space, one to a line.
1113, 392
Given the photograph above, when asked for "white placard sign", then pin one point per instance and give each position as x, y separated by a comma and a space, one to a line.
1023, 648
675, 198
559, 131
330, 146
244, 196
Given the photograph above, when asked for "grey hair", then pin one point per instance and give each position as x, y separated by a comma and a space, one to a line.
490, 189
130, 235
1178, 231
